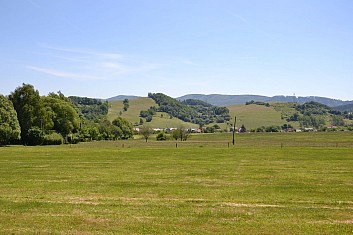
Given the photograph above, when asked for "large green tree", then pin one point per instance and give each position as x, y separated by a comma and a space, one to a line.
9, 126
28, 105
62, 115
125, 127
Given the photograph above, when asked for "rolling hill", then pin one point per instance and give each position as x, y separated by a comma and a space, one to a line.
160, 119
122, 97
226, 100
342, 108
252, 116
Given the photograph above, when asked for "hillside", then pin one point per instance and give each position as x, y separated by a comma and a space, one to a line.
91, 109
225, 100
254, 116
343, 108
159, 120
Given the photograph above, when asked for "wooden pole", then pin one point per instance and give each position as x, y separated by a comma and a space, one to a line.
235, 121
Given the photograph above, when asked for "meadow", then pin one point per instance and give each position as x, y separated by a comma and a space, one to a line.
267, 183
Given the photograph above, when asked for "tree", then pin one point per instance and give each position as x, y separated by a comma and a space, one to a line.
106, 129
161, 136
146, 132
9, 126
185, 134
176, 134
29, 108
126, 104
62, 113
181, 133
125, 126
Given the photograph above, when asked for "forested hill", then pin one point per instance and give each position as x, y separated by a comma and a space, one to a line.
191, 110
343, 108
225, 100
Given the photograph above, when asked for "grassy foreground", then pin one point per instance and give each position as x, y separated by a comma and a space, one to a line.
200, 188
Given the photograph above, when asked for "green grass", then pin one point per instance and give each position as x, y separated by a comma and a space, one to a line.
133, 112
253, 116
160, 120
201, 187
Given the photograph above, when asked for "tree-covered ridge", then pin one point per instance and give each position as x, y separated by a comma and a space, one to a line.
317, 115
194, 111
91, 109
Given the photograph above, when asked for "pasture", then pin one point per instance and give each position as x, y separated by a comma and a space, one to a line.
270, 183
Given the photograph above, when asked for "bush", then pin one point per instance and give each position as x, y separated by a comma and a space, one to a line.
53, 139
35, 136
73, 138
161, 136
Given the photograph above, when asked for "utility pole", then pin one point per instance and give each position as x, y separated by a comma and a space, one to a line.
235, 121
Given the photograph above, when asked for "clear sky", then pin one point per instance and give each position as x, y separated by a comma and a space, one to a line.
177, 47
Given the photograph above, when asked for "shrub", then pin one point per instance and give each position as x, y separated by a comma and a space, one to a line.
161, 136
35, 136
53, 139
73, 138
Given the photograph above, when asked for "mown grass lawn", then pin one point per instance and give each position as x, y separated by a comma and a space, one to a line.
102, 188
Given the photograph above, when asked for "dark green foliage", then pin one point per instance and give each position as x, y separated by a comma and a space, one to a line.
53, 139
34, 136
194, 111
107, 131
161, 136
148, 115
91, 109
272, 129
314, 114
9, 127
286, 126
313, 108
257, 103
195, 102
62, 114
126, 104
125, 127
209, 129
29, 108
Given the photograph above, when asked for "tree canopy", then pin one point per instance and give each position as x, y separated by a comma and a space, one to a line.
28, 105
9, 125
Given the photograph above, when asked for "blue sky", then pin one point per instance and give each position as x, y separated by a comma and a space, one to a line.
114, 47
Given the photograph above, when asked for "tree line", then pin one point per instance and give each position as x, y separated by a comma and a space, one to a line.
31, 119
194, 111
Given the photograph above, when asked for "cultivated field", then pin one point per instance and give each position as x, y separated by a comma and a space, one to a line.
271, 183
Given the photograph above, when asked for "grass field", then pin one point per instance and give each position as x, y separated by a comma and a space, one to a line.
254, 116
275, 183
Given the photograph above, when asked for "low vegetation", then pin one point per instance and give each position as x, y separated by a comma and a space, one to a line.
268, 183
